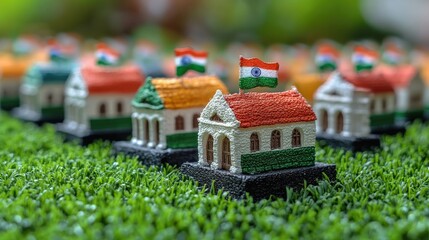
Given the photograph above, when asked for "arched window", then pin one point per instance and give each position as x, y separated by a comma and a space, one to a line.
50, 98
226, 154
119, 108
254, 142
340, 123
5, 92
195, 120
296, 138
275, 139
215, 118
324, 120
372, 106
180, 125
209, 149
384, 104
102, 109
156, 138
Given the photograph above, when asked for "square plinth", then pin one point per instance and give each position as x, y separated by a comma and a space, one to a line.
28, 116
354, 144
86, 137
152, 156
262, 185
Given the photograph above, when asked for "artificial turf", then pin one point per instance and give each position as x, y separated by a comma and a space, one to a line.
52, 190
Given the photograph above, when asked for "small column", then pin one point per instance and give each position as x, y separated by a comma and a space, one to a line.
216, 164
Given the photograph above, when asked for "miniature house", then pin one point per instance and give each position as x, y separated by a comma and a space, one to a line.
342, 108
42, 92
409, 89
347, 100
166, 111
257, 132
98, 97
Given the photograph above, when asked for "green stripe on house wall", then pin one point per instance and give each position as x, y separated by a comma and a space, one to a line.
110, 123
9, 102
385, 119
52, 112
412, 114
277, 159
182, 140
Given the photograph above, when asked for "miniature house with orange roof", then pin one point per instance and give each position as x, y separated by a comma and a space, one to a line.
257, 132
166, 111
97, 101
11, 72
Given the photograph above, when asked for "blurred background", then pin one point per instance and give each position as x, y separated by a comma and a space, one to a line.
222, 21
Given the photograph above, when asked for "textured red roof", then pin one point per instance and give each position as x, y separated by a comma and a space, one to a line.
259, 109
403, 75
376, 81
123, 79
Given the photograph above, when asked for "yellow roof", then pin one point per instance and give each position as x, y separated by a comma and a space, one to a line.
177, 93
15, 67
307, 84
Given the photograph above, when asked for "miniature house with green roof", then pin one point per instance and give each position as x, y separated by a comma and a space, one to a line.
166, 111
257, 132
42, 92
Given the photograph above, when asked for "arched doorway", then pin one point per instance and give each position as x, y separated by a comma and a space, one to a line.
145, 130
226, 154
209, 149
340, 123
324, 120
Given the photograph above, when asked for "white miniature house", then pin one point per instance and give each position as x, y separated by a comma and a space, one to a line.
257, 132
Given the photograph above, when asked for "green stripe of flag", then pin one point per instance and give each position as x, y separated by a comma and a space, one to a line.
327, 66
363, 67
252, 82
180, 70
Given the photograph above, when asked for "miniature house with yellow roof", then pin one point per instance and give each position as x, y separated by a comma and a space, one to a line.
166, 111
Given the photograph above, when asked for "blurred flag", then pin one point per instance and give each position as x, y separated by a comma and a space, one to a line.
60, 52
326, 57
364, 58
256, 73
189, 59
106, 55
393, 54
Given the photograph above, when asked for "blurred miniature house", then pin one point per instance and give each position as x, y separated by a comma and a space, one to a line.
42, 90
149, 57
165, 114
343, 114
13, 67
97, 102
257, 143
245, 133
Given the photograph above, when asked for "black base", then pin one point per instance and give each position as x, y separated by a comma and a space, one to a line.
25, 116
354, 144
87, 137
262, 185
150, 156
389, 130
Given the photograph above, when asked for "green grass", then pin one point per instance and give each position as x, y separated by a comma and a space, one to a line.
50, 190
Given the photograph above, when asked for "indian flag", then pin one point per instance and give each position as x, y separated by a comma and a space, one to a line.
327, 57
364, 58
189, 59
106, 55
393, 54
256, 73
60, 52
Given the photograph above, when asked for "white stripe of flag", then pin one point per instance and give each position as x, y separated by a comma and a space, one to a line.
247, 72
194, 60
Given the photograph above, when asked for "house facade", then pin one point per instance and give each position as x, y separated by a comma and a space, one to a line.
166, 111
98, 97
342, 108
257, 132
42, 90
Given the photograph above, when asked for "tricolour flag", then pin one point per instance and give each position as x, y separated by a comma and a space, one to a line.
364, 58
61, 52
393, 54
189, 59
106, 55
327, 57
256, 73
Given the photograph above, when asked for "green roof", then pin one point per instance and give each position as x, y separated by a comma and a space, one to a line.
41, 73
148, 97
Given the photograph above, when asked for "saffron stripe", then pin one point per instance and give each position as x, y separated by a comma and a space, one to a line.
255, 62
188, 51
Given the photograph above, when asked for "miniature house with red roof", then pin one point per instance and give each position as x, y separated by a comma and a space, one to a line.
253, 132
341, 105
97, 99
